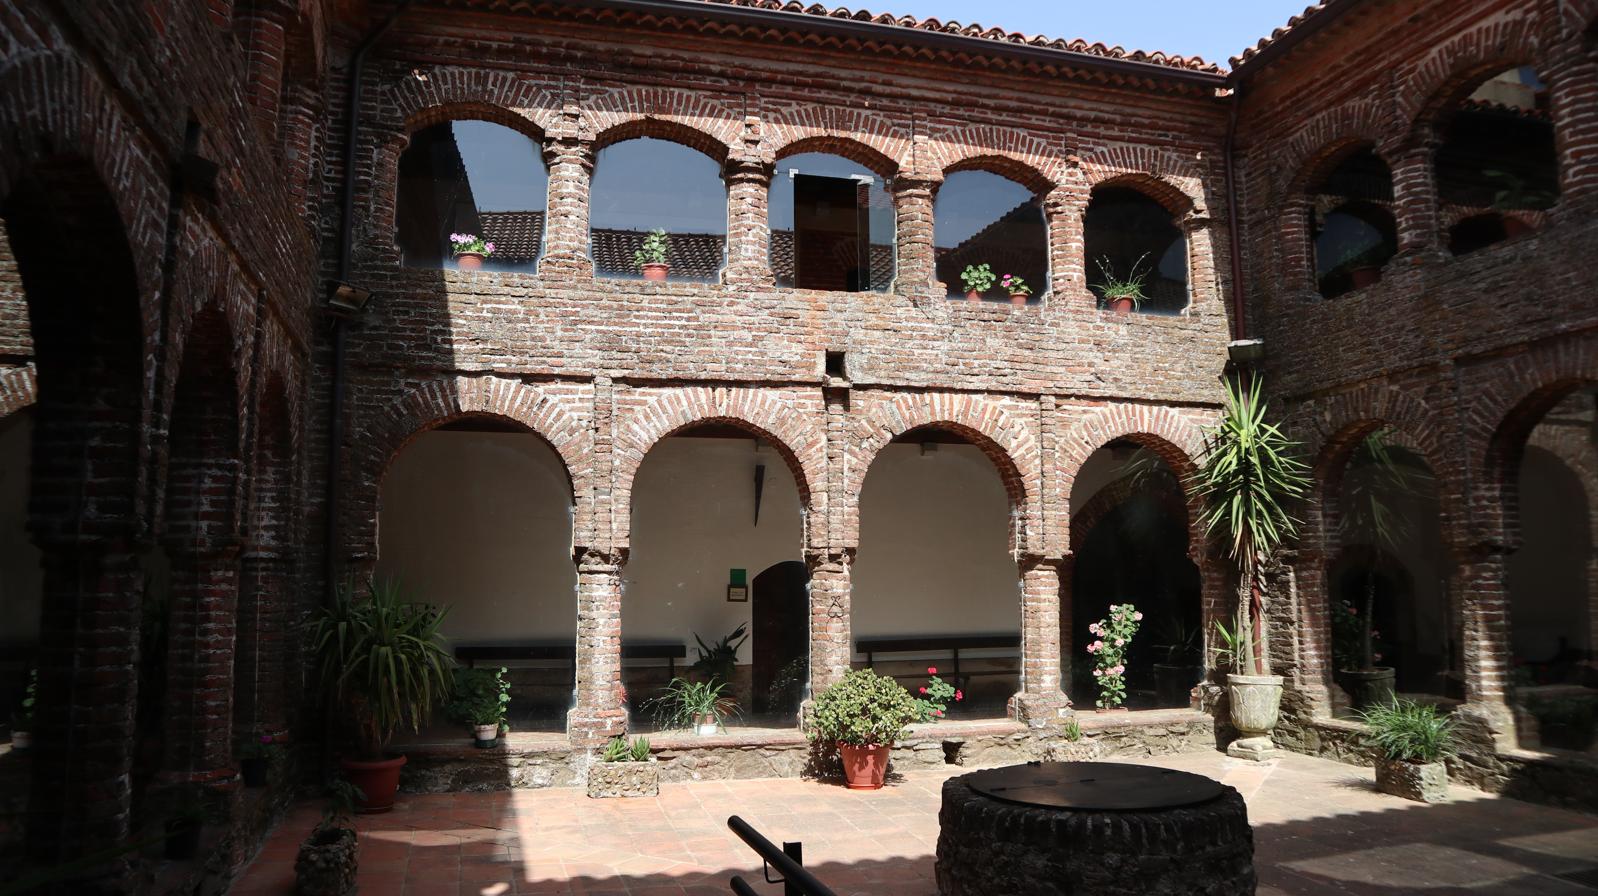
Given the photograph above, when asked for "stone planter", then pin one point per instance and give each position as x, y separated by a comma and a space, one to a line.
1256, 701
1425, 782
613, 779
326, 863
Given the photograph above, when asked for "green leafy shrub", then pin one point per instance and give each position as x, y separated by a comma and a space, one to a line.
935, 697
481, 697
977, 278
863, 710
657, 245
1409, 732
717, 661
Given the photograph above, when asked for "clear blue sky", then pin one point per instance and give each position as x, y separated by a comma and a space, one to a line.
1214, 29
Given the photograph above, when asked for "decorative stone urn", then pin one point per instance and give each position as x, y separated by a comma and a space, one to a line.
616, 779
326, 864
1256, 702
1425, 782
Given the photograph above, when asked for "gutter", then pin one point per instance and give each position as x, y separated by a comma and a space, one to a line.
853, 28
335, 416
1234, 234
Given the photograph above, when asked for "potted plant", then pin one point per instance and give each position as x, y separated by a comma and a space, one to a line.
1017, 288
255, 760
624, 769
381, 660
1183, 668
651, 258
1411, 741
1372, 482
1250, 475
480, 700
1109, 655
327, 860
935, 697
1363, 264
718, 662
699, 706
470, 250
863, 714
1122, 294
22, 719
977, 279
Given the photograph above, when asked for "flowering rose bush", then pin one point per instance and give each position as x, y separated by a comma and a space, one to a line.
935, 697
464, 243
1109, 653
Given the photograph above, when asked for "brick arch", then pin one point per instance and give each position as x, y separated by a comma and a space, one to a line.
854, 150
798, 440
1007, 440
19, 389
1173, 435
1104, 163
1167, 194
1031, 160
1114, 495
666, 113
276, 359
1330, 136
449, 93
1448, 73
432, 404
206, 277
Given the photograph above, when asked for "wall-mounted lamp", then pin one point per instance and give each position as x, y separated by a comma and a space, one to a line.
346, 300
1246, 351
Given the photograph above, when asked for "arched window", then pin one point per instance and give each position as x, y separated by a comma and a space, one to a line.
1352, 223
472, 179
832, 224
1497, 158
985, 218
655, 201
1130, 239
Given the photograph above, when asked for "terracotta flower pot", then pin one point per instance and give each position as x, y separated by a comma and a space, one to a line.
1121, 306
377, 780
656, 271
865, 768
1366, 276
973, 295
469, 261
1019, 298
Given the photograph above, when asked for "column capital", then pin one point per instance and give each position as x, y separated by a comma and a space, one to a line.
569, 149
599, 559
748, 169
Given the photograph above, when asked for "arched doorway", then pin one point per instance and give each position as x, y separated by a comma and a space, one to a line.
780, 599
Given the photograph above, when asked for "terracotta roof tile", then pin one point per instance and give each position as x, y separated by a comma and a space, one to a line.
1309, 13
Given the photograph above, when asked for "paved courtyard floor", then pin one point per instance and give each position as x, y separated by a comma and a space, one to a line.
1319, 827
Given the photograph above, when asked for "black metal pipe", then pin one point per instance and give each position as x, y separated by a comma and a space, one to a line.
792, 872
335, 414
959, 43
1234, 235
742, 888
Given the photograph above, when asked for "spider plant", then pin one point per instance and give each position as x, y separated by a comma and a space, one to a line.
1406, 731
683, 702
1250, 476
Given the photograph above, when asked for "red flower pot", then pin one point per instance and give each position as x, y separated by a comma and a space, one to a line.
469, 261
656, 271
973, 295
1019, 298
864, 768
377, 780
1121, 306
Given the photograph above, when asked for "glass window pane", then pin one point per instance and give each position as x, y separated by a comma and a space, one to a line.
1128, 234
836, 199
643, 185
471, 178
984, 218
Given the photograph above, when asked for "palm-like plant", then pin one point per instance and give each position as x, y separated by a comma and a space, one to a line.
382, 657
1250, 477
1375, 479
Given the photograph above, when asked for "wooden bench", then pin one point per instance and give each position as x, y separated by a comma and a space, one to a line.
472, 654
951, 644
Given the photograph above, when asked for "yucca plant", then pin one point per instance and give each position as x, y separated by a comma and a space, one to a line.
1407, 731
381, 657
1374, 480
1250, 477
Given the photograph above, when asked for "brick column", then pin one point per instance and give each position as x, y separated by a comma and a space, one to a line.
1480, 582
1203, 284
262, 647
1067, 649
80, 796
1415, 201
202, 624
598, 713
748, 225
1068, 266
1312, 674
1573, 92
1040, 700
915, 267
267, 44
571, 166
830, 638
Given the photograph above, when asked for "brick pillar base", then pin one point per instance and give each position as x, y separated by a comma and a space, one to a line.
1480, 580
200, 642
80, 796
598, 712
1040, 701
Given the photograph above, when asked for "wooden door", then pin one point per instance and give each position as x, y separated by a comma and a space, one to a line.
781, 637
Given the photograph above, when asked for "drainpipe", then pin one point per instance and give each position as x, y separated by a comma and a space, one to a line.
1239, 324
335, 415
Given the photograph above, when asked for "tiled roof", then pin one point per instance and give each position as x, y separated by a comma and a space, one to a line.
1294, 24
1170, 60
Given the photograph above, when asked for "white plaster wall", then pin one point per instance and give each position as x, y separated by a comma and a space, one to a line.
934, 546
1103, 466
693, 521
20, 577
482, 521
